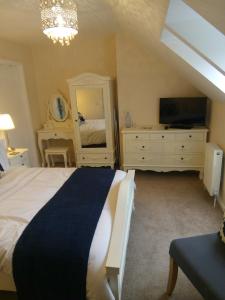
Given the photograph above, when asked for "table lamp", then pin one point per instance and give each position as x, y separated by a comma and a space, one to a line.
6, 123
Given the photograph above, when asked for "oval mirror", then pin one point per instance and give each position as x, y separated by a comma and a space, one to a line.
59, 108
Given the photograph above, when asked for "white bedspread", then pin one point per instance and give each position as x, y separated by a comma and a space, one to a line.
24, 191
93, 132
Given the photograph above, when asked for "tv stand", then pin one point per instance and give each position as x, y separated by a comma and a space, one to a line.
164, 150
181, 126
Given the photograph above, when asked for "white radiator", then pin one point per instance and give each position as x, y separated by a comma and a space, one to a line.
212, 169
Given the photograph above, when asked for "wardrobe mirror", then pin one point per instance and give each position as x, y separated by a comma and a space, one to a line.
91, 117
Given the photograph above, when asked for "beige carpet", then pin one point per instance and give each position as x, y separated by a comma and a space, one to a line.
168, 206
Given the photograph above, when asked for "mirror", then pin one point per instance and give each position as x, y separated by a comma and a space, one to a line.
59, 108
91, 117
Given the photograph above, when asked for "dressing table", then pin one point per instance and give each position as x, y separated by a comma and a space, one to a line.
58, 126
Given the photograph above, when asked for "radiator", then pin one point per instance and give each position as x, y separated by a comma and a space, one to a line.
212, 169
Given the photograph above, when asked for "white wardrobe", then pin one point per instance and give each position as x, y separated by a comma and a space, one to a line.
93, 113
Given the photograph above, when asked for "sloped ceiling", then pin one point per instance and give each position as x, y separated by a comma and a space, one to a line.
143, 19
20, 19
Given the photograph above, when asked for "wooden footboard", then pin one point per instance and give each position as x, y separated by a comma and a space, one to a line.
115, 263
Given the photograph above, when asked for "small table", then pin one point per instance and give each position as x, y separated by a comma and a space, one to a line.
18, 157
53, 134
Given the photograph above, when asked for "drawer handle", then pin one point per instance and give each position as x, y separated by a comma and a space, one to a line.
143, 158
21, 156
55, 134
163, 136
83, 157
22, 164
182, 146
143, 147
190, 136
137, 136
182, 158
106, 157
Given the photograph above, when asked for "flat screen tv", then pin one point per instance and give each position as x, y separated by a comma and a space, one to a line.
179, 112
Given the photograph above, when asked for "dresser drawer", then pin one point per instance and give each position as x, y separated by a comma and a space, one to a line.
162, 136
188, 160
193, 147
154, 147
97, 157
136, 136
193, 136
141, 159
137, 145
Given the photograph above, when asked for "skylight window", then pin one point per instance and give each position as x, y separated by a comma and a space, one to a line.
195, 40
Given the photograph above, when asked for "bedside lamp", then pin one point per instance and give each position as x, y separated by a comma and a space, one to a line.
6, 123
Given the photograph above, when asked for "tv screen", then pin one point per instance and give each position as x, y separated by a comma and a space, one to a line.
184, 111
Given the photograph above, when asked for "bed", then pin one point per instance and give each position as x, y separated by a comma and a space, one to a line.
108, 249
93, 133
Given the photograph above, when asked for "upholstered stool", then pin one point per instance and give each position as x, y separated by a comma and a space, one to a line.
50, 152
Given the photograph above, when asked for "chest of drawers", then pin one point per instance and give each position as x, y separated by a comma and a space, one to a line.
163, 150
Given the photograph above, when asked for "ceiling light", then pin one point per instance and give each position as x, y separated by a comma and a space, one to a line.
59, 20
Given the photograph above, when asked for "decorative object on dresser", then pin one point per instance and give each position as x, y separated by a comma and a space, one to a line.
164, 150
6, 123
18, 157
58, 125
92, 98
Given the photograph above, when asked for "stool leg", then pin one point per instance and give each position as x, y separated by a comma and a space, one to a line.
172, 277
47, 160
65, 160
52, 160
69, 160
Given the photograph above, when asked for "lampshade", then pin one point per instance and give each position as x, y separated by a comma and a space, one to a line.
6, 122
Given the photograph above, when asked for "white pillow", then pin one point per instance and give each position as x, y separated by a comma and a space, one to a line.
3, 155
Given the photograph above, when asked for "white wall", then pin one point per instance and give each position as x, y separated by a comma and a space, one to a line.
13, 100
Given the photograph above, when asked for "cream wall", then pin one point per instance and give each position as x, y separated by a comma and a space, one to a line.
17, 53
55, 64
143, 78
217, 136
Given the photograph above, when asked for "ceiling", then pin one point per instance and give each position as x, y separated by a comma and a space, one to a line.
20, 19
143, 19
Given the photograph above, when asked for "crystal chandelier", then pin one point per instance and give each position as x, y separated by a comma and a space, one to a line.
59, 20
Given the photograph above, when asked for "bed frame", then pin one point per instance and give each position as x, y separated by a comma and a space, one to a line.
115, 263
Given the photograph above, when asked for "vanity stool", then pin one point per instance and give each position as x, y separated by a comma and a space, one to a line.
50, 152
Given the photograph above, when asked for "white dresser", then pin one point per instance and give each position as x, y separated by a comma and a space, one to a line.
18, 157
164, 150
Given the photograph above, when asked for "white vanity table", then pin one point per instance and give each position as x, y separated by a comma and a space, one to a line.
58, 126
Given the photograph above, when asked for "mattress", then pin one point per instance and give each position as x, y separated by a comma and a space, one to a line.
23, 192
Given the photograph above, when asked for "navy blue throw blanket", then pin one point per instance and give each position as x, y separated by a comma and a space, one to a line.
51, 256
